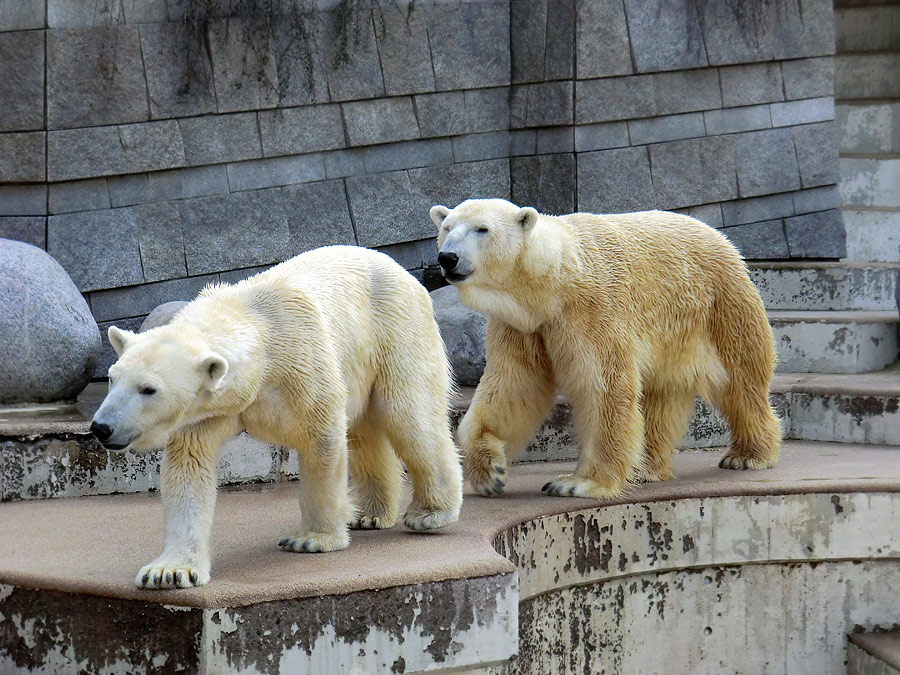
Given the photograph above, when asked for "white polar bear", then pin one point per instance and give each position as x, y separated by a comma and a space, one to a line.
336, 347
630, 315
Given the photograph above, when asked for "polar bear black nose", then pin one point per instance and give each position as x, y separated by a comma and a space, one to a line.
101, 431
448, 260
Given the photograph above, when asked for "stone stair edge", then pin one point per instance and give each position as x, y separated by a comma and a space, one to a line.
882, 646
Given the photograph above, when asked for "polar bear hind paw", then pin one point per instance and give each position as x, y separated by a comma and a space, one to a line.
487, 481
368, 522
573, 486
170, 575
314, 542
421, 519
735, 461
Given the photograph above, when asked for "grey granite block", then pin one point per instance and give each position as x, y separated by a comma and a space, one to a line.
817, 153
759, 241
385, 211
380, 121
665, 34
408, 154
711, 214
545, 34
22, 14
474, 147
351, 63
21, 80
555, 139
802, 112
145, 11
443, 114
523, 142
559, 51
402, 39
486, 110
23, 157
817, 235
873, 26
615, 181
220, 138
453, 184
262, 173
693, 172
291, 131
686, 91
179, 78
343, 163
317, 215
546, 182
138, 301
99, 249
666, 128
469, 44
601, 136
615, 98
541, 105
104, 151
413, 254
82, 195
733, 120
234, 276
161, 241
766, 162
95, 76
243, 66
751, 84
816, 199
236, 230
770, 207
200, 181
23, 200
602, 44
128, 190
30, 229
808, 78
68, 14
300, 63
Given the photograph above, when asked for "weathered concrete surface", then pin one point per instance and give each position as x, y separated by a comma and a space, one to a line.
873, 654
825, 286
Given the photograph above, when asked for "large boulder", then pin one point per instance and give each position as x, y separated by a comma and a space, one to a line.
463, 333
49, 341
162, 315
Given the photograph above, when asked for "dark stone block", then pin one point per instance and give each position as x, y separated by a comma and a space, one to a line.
413, 254
23, 157
351, 62
66, 14
808, 78
179, 77
766, 162
601, 136
289, 131
817, 235
82, 195
691, 172
343, 163
317, 215
300, 64
665, 34
756, 209
138, 301
380, 121
615, 98
161, 241
469, 44
759, 241
453, 184
236, 230
544, 36
442, 114
555, 139
486, 110
385, 210
751, 84
686, 91
615, 181
546, 182
22, 14
541, 105
23, 200
30, 229
402, 39
602, 44
220, 138
463, 333
817, 153
243, 66
474, 147
21, 80
95, 76
409, 154
816, 199
666, 128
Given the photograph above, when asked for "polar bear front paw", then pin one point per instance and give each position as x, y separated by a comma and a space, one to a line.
368, 522
315, 542
487, 480
573, 486
735, 461
159, 575
421, 519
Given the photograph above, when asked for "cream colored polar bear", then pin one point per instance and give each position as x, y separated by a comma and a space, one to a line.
337, 347
629, 315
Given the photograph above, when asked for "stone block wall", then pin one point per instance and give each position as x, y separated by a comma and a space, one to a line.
147, 184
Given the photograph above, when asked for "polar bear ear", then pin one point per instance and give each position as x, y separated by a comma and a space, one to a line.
119, 339
214, 369
527, 218
438, 212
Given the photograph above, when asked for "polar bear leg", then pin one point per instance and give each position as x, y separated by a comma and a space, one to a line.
188, 486
512, 400
376, 477
666, 415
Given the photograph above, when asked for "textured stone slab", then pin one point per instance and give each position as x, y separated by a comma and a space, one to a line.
816, 235
274, 171
300, 63
138, 301
546, 182
21, 79
555, 139
867, 28
802, 112
290, 131
869, 127
414, 154
243, 66
317, 215
474, 147
66, 14
161, 241
817, 153
733, 120
343, 163
602, 45
162, 315
29, 229
614, 98
676, 166
872, 235
23, 200
220, 138
666, 128
870, 182
808, 78
601, 136
759, 241
486, 110
669, 91
22, 14
23, 157
413, 254
750, 84
816, 199
95, 76
766, 162
860, 76
541, 105
380, 121
757, 208
402, 39
825, 286
471, 111
665, 35
82, 195
350, 54
48, 339
615, 181
545, 33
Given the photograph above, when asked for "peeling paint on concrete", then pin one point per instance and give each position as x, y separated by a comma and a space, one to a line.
820, 347
825, 287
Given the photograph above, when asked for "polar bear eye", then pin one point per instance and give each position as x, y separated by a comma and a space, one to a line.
146, 391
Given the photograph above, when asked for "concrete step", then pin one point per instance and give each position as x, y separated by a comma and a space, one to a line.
873, 654
834, 341
826, 286
869, 126
872, 234
867, 75
870, 181
867, 28
820, 523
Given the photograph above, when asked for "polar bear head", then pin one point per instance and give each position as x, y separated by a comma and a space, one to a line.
481, 239
159, 383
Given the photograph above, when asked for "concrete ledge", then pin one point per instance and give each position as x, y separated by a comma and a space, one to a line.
873, 654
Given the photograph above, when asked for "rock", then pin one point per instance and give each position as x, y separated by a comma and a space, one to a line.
49, 341
463, 332
162, 315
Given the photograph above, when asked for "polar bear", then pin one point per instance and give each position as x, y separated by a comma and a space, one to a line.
630, 316
335, 350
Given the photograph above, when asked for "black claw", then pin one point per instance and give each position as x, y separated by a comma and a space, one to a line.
307, 545
571, 491
283, 542
145, 579
194, 578
156, 579
546, 487
499, 469
178, 577
168, 578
